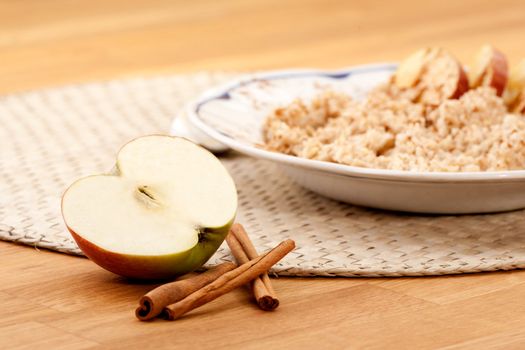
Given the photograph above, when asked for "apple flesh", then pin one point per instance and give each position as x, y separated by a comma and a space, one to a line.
490, 68
164, 212
444, 78
410, 69
434, 73
514, 95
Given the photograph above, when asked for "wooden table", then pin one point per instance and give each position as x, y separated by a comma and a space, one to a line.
50, 300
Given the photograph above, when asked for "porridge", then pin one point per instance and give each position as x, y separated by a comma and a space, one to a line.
428, 117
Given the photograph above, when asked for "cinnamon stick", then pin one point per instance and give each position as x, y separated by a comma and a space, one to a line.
229, 281
152, 304
243, 250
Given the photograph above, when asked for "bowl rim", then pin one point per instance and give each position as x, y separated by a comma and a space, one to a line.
222, 91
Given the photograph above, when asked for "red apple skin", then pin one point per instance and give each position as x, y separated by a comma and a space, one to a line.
463, 85
500, 72
152, 267
124, 265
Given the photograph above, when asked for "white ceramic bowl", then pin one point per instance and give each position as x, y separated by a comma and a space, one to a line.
233, 115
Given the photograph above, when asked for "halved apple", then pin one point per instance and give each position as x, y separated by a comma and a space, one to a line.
490, 68
163, 212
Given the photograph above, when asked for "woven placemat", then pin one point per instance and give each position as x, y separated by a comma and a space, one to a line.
50, 137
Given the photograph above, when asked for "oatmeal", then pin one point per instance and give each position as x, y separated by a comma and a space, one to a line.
393, 129
472, 133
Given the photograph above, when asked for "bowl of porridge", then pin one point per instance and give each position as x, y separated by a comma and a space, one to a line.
421, 136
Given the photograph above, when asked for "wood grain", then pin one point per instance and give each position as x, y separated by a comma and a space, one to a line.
50, 300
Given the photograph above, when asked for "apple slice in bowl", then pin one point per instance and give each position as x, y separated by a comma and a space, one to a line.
490, 68
164, 212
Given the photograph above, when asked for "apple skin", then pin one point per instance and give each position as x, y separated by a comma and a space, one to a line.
500, 72
155, 267
462, 85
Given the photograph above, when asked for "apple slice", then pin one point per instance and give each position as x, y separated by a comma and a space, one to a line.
514, 95
164, 212
490, 68
430, 76
410, 70
443, 78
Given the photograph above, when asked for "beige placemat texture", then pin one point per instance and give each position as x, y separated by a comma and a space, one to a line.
50, 137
